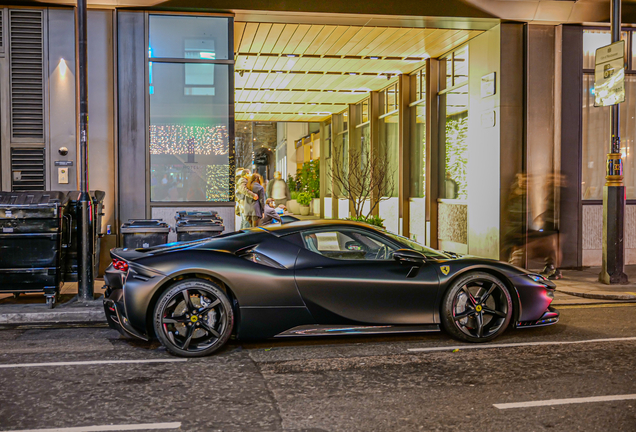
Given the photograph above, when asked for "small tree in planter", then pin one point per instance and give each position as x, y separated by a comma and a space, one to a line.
361, 176
304, 199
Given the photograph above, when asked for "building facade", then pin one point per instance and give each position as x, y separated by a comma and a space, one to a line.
486, 123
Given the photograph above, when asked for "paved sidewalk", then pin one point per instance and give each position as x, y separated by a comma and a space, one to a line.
30, 309
584, 283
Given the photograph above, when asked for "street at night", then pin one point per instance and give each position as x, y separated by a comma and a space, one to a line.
336, 216
83, 377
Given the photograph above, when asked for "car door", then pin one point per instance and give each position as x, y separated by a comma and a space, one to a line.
343, 276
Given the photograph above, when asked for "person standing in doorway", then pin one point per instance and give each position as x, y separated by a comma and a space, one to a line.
278, 190
253, 208
241, 194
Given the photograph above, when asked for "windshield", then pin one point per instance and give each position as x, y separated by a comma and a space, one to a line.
427, 251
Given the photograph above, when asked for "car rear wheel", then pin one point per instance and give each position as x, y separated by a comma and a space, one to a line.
476, 308
193, 318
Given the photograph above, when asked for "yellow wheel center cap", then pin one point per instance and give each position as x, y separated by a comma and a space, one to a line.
478, 308
194, 318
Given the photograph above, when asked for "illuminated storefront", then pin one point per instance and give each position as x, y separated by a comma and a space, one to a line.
458, 109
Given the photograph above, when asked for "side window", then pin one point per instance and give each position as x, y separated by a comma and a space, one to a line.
348, 245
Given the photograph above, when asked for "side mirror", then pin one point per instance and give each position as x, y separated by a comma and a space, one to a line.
409, 256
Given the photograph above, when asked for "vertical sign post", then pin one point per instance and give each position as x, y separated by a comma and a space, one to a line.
609, 89
85, 231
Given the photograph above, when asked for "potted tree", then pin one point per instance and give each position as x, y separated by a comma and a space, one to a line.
304, 199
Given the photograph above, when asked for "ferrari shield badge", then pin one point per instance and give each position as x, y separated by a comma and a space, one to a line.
445, 269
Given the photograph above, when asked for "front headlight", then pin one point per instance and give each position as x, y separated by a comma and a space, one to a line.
537, 278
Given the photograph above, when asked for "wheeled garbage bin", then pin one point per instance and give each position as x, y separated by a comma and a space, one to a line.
70, 265
196, 229
143, 233
34, 228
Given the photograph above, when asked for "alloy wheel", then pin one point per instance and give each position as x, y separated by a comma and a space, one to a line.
193, 319
480, 308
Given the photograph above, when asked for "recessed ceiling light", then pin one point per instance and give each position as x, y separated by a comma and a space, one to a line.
374, 58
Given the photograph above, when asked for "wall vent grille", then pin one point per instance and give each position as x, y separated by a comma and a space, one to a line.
27, 169
27, 85
1, 28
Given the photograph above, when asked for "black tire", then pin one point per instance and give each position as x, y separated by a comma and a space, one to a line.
196, 329
477, 307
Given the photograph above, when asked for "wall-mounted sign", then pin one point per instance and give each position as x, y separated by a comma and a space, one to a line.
488, 85
609, 75
63, 163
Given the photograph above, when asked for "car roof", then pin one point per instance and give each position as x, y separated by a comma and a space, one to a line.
292, 227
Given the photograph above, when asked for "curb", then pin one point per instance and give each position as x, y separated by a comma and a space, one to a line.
61, 316
600, 296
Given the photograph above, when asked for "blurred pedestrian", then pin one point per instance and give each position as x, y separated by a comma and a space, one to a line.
241, 194
451, 187
254, 205
278, 189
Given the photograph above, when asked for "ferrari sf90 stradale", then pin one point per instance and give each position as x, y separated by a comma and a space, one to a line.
314, 278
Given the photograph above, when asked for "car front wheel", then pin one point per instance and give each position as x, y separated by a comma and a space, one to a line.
476, 308
193, 318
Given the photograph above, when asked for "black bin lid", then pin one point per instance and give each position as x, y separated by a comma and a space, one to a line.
199, 225
144, 225
39, 198
194, 214
202, 222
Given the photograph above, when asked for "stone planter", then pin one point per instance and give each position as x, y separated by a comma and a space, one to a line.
293, 206
304, 210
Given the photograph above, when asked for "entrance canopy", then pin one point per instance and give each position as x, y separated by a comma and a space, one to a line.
306, 72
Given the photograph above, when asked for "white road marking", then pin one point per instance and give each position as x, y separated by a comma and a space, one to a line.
520, 344
92, 362
106, 428
565, 401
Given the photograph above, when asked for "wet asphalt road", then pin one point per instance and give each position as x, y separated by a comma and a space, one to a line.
345, 384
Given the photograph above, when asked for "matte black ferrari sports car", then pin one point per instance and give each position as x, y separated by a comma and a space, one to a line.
313, 278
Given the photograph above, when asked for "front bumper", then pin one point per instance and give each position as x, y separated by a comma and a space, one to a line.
549, 317
113, 305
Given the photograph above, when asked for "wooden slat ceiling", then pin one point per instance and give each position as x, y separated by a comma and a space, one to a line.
305, 72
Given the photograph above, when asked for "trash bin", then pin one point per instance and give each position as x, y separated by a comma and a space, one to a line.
143, 233
35, 227
196, 229
70, 264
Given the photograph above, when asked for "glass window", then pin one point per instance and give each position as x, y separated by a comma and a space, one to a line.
596, 140
428, 252
593, 40
389, 99
189, 141
388, 207
460, 66
417, 206
340, 150
188, 37
420, 84
456, 67
348, 245
455, 144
